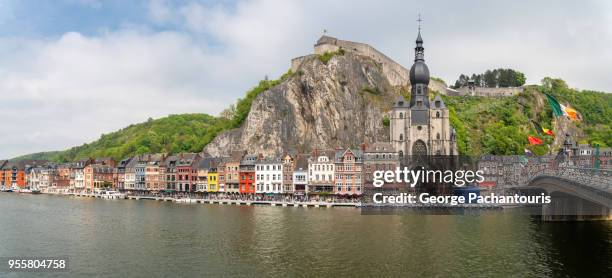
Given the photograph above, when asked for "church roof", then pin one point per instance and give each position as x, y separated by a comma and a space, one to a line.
436, 99
419, 38
400, 102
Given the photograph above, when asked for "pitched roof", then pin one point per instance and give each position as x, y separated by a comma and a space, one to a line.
438, 98
249, 159
301, 161
341, 153
379, 147
187, 159
270, 160
400, 101
205, 163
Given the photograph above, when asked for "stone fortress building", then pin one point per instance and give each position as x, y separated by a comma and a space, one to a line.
396, 73
421, 126
473, 90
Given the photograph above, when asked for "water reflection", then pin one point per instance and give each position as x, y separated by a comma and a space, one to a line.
126, 237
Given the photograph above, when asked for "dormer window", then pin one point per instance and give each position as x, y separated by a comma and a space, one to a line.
419, 104
400, 103
437, 104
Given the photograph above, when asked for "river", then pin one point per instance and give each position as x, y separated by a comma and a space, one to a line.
164, 239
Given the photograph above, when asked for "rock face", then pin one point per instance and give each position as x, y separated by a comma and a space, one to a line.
340, 103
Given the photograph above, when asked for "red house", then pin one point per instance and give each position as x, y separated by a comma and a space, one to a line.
247, 175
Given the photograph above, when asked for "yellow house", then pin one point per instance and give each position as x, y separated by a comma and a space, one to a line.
213, 181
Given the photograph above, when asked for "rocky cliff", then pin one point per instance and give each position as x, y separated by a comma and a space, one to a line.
325, 104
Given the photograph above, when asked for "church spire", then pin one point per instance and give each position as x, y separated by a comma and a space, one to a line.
419, 51
419, 78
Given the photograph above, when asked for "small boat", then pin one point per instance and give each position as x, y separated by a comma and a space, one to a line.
110, 194
8, 190
29, 191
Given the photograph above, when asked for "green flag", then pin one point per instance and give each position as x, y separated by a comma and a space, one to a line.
538, 127
554, 104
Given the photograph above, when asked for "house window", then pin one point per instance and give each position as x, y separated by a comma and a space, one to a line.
437, 104
401, 138
438, 136
419, 104
401, 115
437, 113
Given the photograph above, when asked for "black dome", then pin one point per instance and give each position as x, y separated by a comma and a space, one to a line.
419, 73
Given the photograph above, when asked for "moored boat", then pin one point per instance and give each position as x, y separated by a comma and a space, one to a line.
110, 194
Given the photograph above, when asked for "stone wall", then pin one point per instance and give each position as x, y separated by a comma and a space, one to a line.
486, 92
395, 72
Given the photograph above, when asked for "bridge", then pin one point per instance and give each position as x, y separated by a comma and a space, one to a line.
577, 193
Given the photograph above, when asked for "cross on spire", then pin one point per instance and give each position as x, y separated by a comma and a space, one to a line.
419, 20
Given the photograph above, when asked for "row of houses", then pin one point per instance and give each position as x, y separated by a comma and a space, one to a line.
340, 171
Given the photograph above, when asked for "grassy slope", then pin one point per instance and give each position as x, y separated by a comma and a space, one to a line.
175, 133
501, 125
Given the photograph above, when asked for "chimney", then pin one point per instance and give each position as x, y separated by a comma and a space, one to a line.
362, 147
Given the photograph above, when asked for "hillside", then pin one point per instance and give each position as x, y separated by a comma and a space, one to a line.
175, 133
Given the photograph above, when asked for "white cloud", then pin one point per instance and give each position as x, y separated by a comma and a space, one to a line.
65, 92
60, 92
160, 11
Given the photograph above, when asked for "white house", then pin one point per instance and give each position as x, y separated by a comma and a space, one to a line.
321, 173
269, 175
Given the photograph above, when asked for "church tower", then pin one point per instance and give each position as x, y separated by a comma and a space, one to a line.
421, 127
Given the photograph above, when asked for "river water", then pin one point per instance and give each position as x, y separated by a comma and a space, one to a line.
163, 239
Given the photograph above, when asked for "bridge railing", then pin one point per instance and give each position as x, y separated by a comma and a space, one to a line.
597, 178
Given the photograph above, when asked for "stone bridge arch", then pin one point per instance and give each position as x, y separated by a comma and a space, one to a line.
572, 200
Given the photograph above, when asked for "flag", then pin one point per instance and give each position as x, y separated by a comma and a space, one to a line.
548, 132
538, 127
534, 140
560, 109
554, 104
570, 112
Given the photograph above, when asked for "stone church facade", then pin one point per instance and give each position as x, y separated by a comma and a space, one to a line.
421, 126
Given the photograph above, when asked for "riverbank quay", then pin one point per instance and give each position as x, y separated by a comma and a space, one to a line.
181, 198
280, 201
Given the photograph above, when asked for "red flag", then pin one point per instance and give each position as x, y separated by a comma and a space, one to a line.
534, 140
548, 131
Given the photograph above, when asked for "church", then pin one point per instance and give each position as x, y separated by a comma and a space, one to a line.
420, 126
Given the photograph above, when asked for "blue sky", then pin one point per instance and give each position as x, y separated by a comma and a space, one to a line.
71, 70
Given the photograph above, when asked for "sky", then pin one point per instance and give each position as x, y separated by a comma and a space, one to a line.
71, 70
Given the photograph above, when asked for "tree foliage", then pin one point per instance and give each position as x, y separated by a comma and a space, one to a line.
501, 78
594, 107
